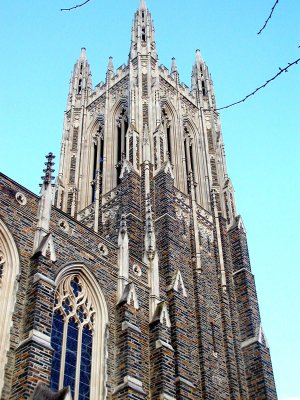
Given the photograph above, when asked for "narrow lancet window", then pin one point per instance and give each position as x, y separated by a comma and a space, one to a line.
79, 86
203, 88
72, 338
122, 128
94, 184
143, 34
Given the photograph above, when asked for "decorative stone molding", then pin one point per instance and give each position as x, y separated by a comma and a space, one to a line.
162, 314
129, 296
137, 270
164, 396
10, 269
103, 250
178, 283
259, 337
162, 343
37, 337
21, 198
127, 325
46, 248
132, 383
64, 225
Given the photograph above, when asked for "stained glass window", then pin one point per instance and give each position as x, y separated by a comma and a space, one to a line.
72, 338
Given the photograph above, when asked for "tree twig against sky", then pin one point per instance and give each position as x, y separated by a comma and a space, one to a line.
77, 6
269, 17
281, 70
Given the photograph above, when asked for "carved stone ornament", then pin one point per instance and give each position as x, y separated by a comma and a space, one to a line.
64, 226
103, 250
137, 270
21, 198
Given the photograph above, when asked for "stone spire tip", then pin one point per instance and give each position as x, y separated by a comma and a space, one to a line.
110, 66
174, 65
198, 56
83, 53
142, 5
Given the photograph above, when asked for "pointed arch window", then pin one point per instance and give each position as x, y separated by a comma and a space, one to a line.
188, 154
79, 86
143, 33
165, 120
9, 270
78, 338
122, 128
98, 159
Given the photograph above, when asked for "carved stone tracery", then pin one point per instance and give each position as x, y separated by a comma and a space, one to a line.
73, 300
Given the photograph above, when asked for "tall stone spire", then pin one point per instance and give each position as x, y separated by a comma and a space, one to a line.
143, 38
80, 82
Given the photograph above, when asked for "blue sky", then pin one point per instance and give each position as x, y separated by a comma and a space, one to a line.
39, 45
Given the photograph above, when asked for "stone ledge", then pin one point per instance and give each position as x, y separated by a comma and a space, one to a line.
37, 337
132, 383
241, 270
183, 380
164, 396
41, 277
128, 325
162, 343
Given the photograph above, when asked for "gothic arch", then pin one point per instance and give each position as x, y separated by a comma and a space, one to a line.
96, 305
9, 271
120, 123
94, 154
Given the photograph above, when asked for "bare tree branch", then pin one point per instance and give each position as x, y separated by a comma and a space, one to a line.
281, 70
269, 17
77, 6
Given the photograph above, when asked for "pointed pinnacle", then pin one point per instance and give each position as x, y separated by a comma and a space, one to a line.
174, 65
83, 53
47, 178
198, 57
110, 66
142, 5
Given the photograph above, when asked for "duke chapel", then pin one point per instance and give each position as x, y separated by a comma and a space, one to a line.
129, 277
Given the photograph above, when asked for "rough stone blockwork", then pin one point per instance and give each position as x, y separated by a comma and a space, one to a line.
129, 277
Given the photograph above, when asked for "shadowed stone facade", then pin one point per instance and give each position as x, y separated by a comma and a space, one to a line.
130, 278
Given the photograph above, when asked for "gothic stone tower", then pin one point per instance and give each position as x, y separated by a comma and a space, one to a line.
136, 283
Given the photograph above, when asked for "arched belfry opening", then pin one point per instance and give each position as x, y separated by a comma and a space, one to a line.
189, 154
97, 152
166, 125
121, 131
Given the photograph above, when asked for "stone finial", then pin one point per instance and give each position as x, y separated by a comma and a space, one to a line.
110, 66
44, 210
174, 66
48, 178
83, 53
142, 5
199, 58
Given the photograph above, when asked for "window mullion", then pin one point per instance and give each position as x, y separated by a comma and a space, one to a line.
78, 362
63, 354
